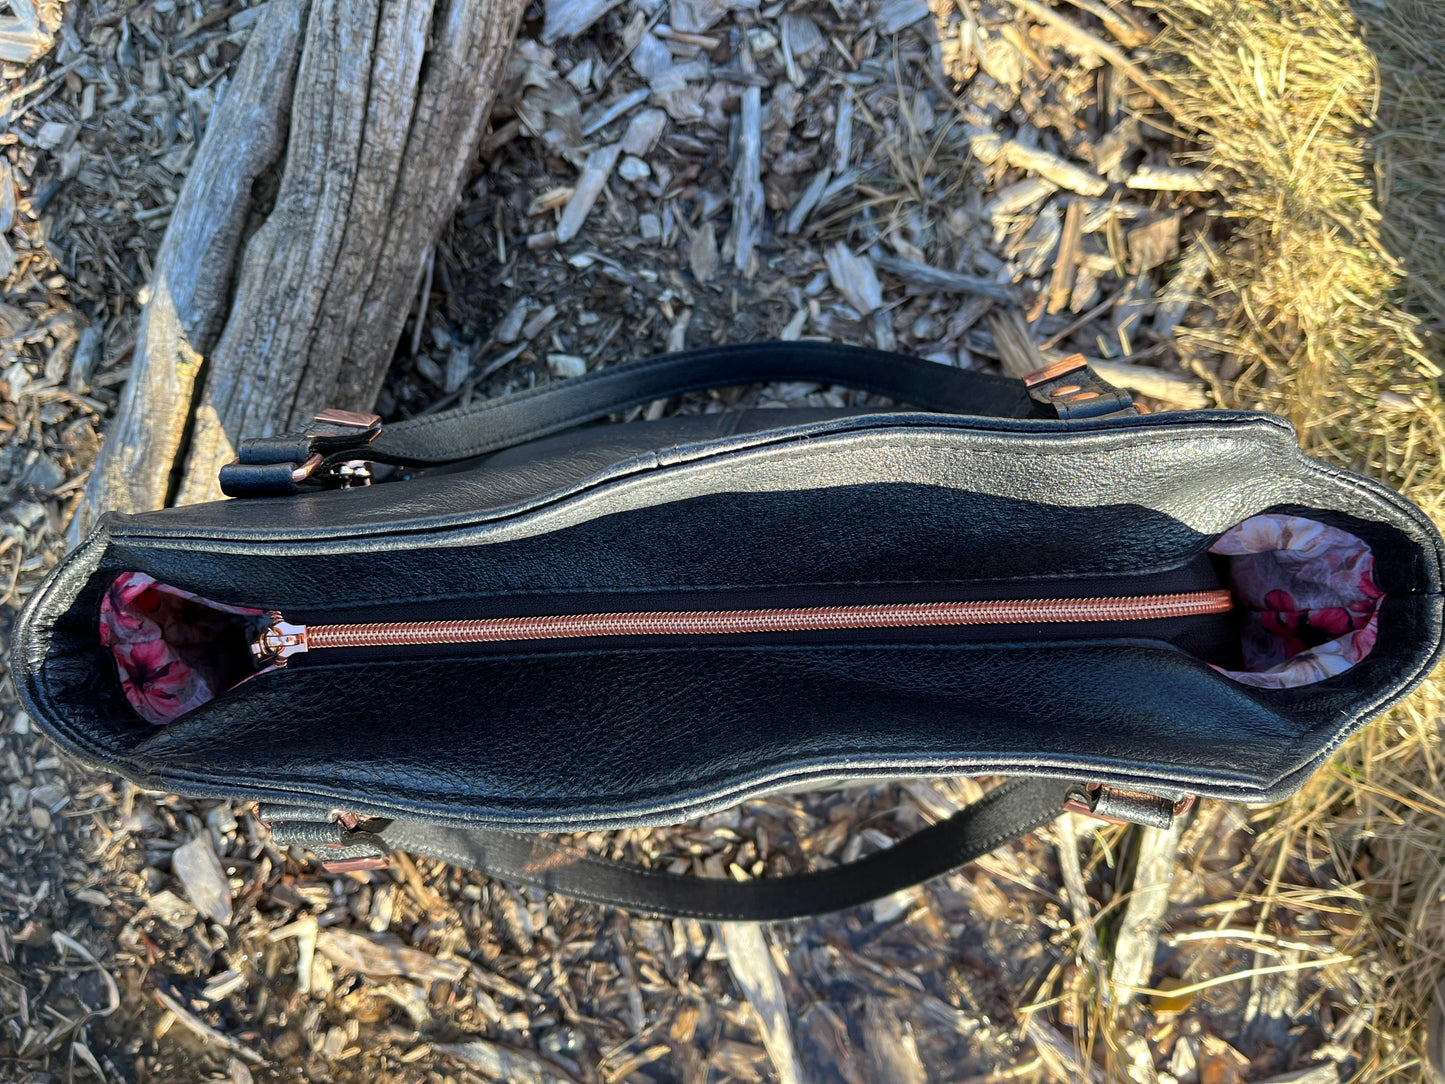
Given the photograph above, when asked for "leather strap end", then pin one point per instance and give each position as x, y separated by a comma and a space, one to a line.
259, 479
1073, 390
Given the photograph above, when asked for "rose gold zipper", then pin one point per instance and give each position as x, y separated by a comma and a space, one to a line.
282, 639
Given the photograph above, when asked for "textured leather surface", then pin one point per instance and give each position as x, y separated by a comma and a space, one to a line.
561, 739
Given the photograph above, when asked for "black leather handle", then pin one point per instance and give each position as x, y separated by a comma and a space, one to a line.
500, 423
275, 466
1006, 813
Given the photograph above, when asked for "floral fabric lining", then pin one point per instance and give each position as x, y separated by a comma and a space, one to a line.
1309, 589
169, 645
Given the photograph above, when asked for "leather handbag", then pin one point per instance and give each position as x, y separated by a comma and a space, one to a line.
541, 625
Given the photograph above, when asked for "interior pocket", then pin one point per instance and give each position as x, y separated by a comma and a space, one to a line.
1308, 594
173, 650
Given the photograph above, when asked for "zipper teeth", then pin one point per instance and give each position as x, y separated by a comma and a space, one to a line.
812, 619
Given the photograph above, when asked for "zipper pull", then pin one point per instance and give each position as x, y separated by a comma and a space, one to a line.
278, 641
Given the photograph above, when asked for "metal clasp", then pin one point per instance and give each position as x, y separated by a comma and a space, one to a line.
356, 428
1117, 805
1073, 390
353, 473
349, 419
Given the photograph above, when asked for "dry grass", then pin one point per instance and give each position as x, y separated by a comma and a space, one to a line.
1326, 306
1407, 38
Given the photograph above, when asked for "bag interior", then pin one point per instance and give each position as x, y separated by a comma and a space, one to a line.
1306, 608
152, 658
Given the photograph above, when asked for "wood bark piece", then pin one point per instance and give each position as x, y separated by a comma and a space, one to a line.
1085, 42
1173, 179
588, 188
382, 956
1119, 21
1078, 893
1181, 290
1177, 391
23, 36
203, 1031
568, 18
1061, 1058
200, 872
890, 1045
747, 185
853, 277
193, 272
950, 281
1144, 916
391, 103
498, 1062
1054, 169
1017, 197
1061, 283
751, 962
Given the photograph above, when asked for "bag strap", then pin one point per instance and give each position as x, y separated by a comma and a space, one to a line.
1008, 812
270, 466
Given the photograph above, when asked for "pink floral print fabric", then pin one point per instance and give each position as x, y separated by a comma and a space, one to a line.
167, 644
1310, 593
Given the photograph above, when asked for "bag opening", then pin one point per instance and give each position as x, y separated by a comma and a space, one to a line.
1306, 608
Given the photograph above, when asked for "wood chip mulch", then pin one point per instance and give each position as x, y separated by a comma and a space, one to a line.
975, 184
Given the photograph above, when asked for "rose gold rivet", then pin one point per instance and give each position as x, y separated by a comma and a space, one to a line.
1083, 395
1067, 389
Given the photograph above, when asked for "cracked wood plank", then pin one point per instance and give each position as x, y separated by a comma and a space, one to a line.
381, 127
190, 287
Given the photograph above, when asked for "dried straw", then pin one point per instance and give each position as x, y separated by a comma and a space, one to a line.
1406, 38
1318, 300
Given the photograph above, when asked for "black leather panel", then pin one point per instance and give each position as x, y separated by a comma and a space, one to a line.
665, 730
637, 736
1049, 458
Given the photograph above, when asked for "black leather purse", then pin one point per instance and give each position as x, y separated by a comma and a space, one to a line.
552, 626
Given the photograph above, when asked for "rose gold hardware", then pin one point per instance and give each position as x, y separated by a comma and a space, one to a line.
353, 472
1081, 396
1067, 389
350, 418
307, 469
281, 639
355, 865
348, 820
1054, 371
278, 641
1084, 804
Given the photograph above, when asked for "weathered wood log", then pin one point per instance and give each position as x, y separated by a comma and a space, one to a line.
193, 272
387, 111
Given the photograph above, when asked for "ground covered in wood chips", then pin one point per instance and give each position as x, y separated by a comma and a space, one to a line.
990, 185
